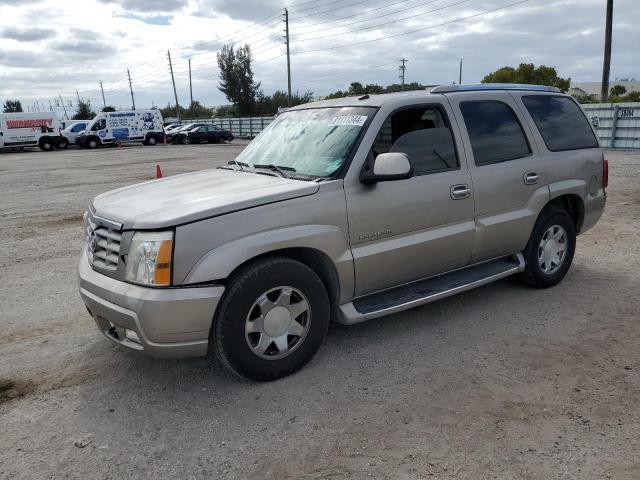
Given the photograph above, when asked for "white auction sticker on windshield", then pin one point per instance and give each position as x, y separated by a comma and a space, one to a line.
348, 121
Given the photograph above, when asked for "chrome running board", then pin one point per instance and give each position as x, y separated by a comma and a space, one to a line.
428, 290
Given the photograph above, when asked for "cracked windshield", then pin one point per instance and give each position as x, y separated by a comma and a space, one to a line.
313, 142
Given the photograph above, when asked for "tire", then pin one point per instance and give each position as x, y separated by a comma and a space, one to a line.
544, 266
185, 140
92, 143
255, 354
151, 140
46, 145
63, 144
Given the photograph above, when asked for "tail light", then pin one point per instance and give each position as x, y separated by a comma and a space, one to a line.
605, 173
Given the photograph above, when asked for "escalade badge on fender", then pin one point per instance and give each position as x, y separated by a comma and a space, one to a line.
374, 235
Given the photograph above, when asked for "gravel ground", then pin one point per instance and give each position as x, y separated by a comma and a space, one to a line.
500, 382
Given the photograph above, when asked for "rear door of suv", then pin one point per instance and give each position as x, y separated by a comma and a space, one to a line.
509, 177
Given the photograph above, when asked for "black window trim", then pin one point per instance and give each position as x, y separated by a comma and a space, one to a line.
595, 137
443, 112
524, 133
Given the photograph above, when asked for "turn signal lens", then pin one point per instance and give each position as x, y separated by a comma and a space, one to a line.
605, 173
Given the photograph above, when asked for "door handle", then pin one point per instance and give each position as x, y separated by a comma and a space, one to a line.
531, 178
459, 192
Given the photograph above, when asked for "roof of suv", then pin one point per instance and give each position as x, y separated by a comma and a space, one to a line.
377, 100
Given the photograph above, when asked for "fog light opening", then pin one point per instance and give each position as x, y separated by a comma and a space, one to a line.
131, 335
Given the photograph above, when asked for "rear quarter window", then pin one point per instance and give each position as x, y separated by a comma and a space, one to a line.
561, 123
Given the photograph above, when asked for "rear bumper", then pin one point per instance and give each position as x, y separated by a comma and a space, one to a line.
168, 322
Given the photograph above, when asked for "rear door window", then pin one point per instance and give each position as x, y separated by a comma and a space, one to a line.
495, 132
561, 123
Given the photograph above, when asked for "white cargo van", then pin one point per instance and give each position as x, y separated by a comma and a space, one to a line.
30, 129
127, 126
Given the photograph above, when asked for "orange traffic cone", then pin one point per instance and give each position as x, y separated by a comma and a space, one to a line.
158, 172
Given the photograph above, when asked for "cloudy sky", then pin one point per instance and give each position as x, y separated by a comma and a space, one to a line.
52, 47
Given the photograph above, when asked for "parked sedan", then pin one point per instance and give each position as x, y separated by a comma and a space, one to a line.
183, 128
201, 134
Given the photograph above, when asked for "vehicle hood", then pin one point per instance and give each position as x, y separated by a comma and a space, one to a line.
194, 196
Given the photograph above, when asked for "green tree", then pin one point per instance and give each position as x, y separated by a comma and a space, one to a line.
530, 74
269, 104
12, 106
618, 90
197, 110
109, 108
236, 78
84, 111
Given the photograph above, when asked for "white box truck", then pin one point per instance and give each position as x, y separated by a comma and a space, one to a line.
126, 126
30, 129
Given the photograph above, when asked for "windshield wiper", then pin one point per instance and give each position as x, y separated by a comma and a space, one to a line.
276, 168
240, 164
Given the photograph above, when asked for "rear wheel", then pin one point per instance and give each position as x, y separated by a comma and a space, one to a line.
151, 140
63, 144
272, 319
549, 253
46, 144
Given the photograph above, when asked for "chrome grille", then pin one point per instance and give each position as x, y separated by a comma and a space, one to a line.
103, 245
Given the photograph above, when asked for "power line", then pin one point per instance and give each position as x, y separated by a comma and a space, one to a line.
413, 31
368, 27
330, 10
359, 14
320, 6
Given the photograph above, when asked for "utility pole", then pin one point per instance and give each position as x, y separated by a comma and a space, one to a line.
607, 52
286, 30
402, 69
63, 106
190, 86
460, 76
173, 80
102, 89
133, 102
79, 101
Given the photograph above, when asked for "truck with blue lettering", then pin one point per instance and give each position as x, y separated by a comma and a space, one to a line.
125, 126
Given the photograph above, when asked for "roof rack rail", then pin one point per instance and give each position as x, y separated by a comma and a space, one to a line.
493, 86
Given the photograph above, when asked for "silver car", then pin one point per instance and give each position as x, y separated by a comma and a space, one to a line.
344, 210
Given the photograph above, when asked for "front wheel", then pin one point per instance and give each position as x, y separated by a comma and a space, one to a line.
151, 140
186, 140
272, 319
549, 253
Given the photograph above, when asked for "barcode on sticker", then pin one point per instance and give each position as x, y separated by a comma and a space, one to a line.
348, 121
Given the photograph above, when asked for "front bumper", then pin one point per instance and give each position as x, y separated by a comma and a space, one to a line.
169, 322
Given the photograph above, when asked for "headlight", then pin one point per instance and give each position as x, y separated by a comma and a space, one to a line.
149, 258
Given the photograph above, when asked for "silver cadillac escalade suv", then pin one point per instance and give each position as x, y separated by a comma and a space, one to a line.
344, 210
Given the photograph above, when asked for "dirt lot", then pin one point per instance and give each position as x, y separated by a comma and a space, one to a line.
501, 382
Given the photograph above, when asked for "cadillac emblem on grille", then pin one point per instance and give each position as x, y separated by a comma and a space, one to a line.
92, 242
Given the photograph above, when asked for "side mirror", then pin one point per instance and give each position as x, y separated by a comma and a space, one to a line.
389, 166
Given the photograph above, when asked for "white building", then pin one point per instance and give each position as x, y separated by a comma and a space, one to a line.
593, 89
